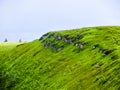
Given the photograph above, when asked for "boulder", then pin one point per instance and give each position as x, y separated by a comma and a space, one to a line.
59, 37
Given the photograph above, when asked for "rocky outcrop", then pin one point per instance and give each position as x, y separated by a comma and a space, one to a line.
58, 38
52, 40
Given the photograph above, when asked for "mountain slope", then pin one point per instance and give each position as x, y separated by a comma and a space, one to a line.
79, 59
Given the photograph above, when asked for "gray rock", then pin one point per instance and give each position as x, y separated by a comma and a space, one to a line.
95, 46
47, 44
79, 45
60, 48
98, 66
59, 37
66, 39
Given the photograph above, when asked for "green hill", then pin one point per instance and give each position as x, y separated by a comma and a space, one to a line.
78, 59
5, 46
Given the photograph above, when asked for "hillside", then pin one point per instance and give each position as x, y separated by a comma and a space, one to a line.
5, 46
78, 59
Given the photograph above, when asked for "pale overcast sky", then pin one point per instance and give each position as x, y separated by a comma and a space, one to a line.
29, 19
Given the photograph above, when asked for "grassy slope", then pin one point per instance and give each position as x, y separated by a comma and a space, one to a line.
33, 67
5, 46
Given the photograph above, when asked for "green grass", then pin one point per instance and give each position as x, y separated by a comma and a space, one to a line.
5, 46
33, 67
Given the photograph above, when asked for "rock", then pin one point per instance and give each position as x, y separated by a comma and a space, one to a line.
68, 40
76, 44
95, 46
106, 52
98, 66
47, 44
79, 45
60, 48
65, 38
59, 37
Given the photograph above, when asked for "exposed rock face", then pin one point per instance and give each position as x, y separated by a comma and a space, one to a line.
68, 39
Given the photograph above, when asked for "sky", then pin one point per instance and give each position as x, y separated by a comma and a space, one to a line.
30, 19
